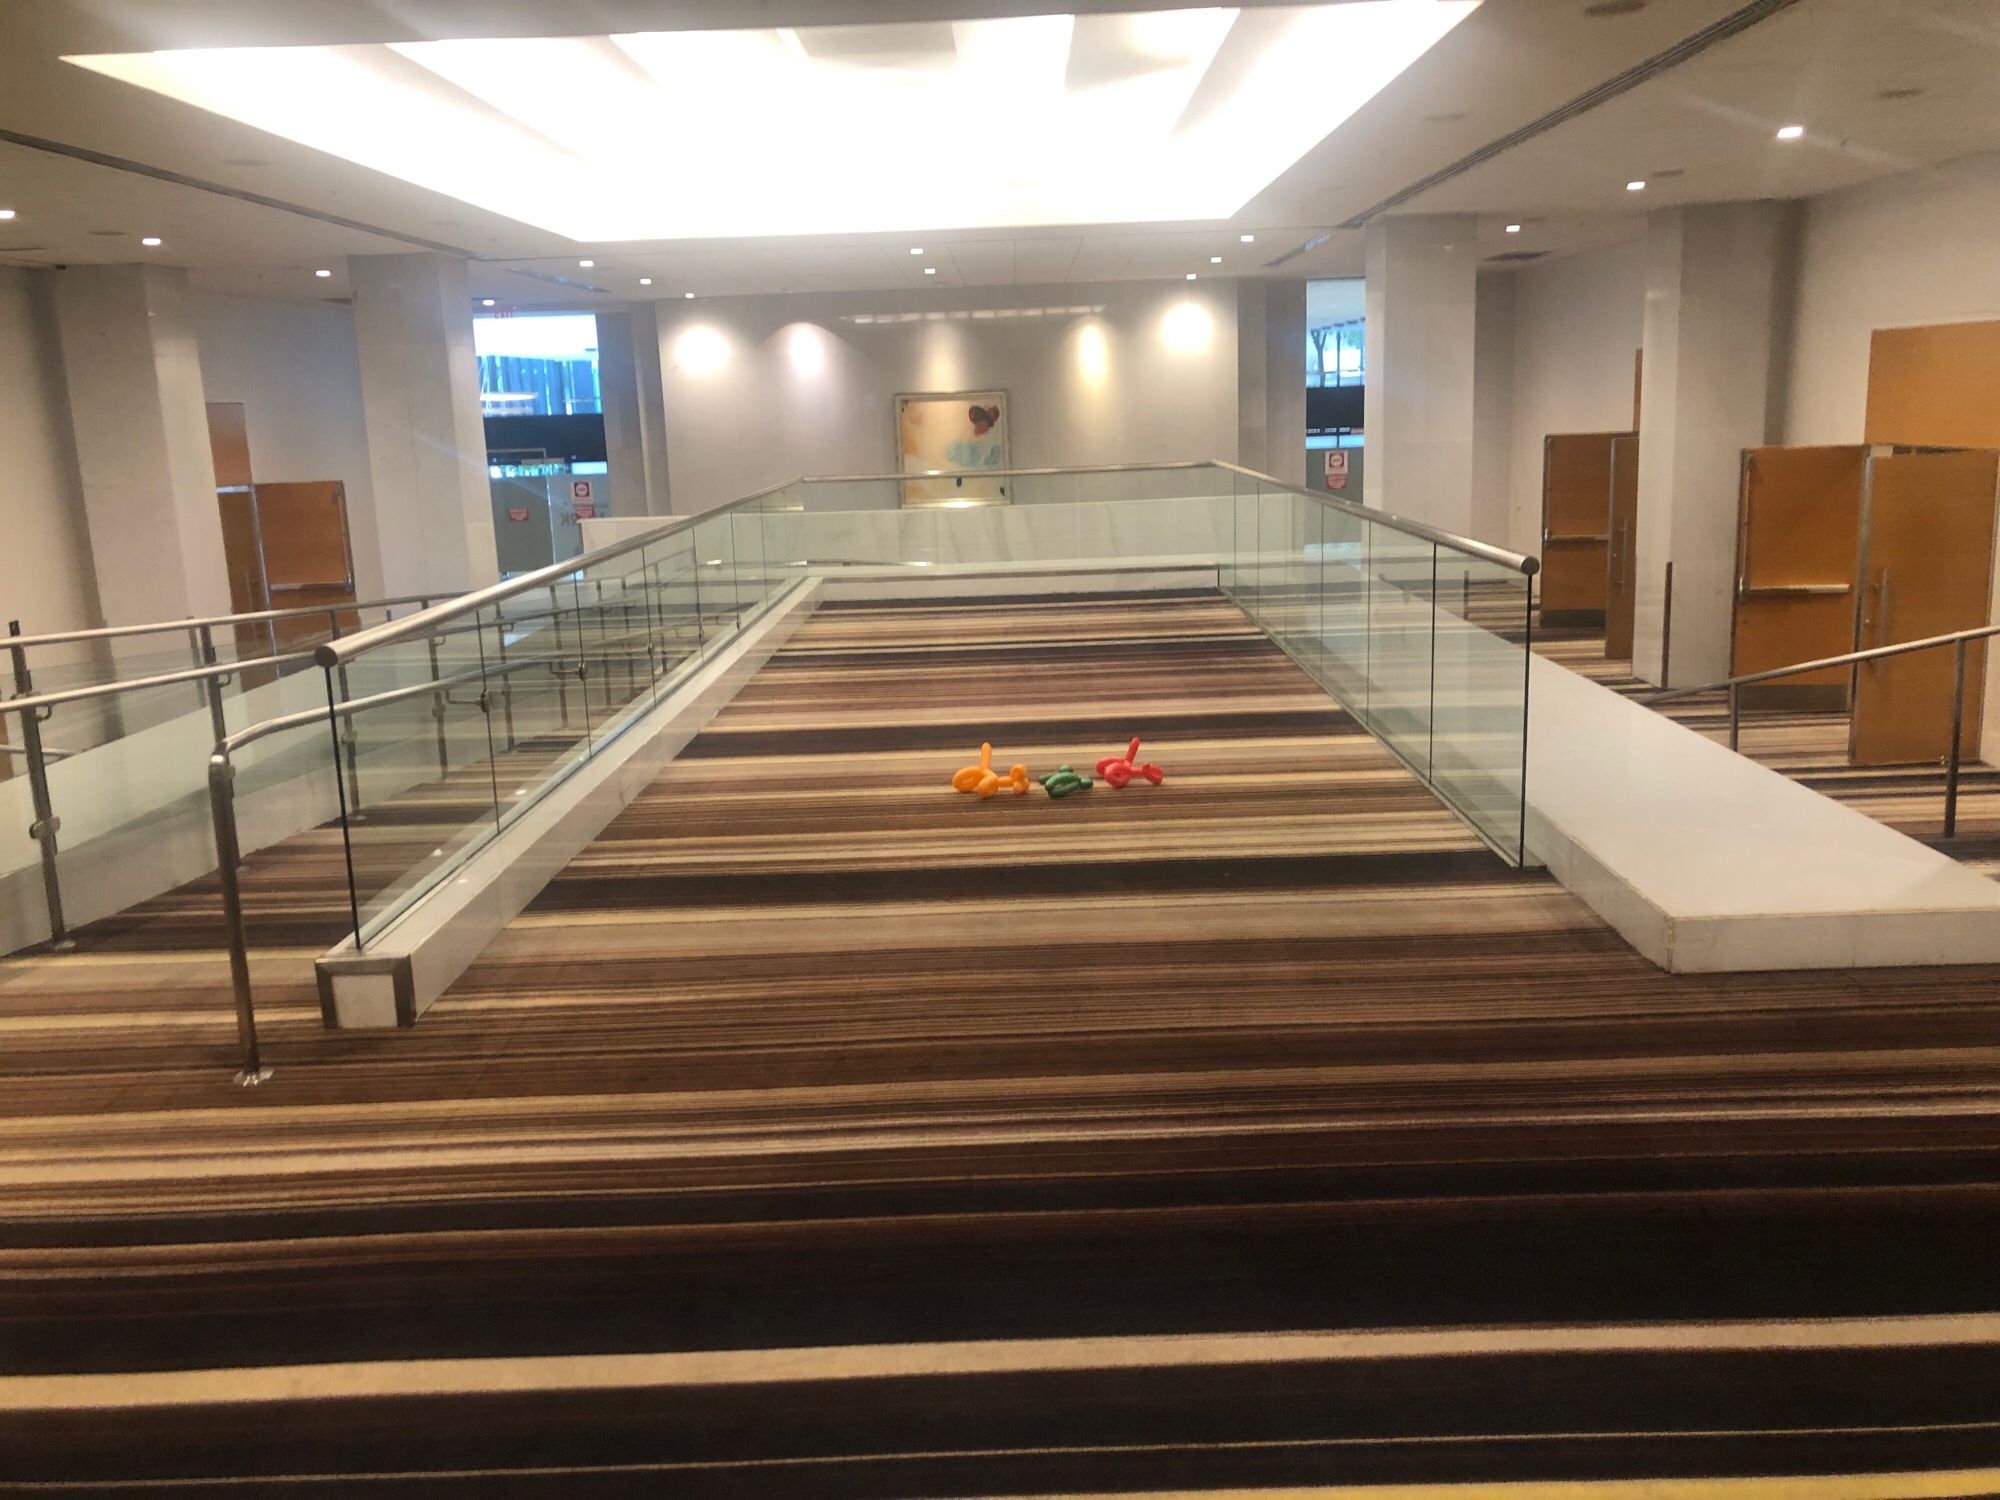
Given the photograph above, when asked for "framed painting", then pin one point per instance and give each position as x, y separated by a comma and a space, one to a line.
954, 440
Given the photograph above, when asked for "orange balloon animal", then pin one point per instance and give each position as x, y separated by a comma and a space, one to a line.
984, 781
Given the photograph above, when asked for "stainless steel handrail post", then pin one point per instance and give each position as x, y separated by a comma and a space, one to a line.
438, 710
212, 686
1957, 726
506, 678
46, 825
347, 743
556, 666
228, 856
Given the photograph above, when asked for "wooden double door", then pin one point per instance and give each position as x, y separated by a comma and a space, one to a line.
1590, 514
1926, 569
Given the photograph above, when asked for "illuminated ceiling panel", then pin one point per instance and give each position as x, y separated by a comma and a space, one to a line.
1033, 120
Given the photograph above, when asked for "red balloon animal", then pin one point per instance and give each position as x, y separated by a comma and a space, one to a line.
1120, 769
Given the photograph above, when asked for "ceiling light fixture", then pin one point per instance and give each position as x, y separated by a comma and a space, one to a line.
1190, 276
916, 249
322, 273
6, 213
1215, 260
645, 281
1513, 228
1248, 239
688, 295
151, 242
1790, 132
1162, 115
585, 265
485, 301
1636, 185
930, 270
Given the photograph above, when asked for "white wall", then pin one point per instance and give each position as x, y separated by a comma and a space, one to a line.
1493, 410
293, 366
1577, 323
46, 579
799, 389
1918, 247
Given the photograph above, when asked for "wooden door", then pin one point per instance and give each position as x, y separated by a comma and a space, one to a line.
1927, 570
307, 557
1576, 526
1798, 542
1619, 587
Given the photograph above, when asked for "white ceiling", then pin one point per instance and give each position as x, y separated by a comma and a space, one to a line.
1822, 62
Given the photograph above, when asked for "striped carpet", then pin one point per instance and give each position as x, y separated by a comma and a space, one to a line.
809, 1053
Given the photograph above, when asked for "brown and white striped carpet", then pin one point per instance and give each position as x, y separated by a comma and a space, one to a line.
808, 1053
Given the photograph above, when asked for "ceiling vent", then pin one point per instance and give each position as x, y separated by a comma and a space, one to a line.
1514, 257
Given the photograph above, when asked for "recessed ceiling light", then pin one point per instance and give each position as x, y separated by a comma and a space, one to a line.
586, 264
930, 270
1190, 276
485, 301
645, 281
1790, 132
1513, 228
151, 242
916, 249
322, 273
688, 295
1215, 260
1248, 239
453, 116
1636, 185
6, 213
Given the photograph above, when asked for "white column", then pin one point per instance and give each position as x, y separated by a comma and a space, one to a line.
426, 442
624, 430
1422, 301
1271, 378
133, 368
1493, 412
1718, 289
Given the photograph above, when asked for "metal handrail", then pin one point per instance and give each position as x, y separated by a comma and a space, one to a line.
339, 652
1519, 562
196, 622
1958, 640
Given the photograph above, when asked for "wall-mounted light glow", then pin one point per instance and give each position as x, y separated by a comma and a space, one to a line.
645, 281
1513, 228
1093, 354
1163, 115
485, 301
701, 351
1790, 132
1636, 185
151, 242
1186, 327
322, 273
807, 348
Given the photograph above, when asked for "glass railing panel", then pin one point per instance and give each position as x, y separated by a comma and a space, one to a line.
1400, 569
418, 785
715, 572
674, 619
1344, 583
1480, 695
541, 722
747, 538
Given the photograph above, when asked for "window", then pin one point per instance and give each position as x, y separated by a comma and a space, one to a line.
1336, 354
537, 366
